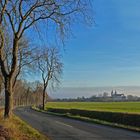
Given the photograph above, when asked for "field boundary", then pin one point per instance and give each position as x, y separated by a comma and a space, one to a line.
113, 117
90, 120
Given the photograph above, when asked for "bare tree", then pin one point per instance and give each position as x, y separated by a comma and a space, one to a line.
50, 67
19, 93
27, 93
38, 94
20, 15
25, 59
25, 56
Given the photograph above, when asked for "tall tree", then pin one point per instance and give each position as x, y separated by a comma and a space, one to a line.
50, 67
19, 16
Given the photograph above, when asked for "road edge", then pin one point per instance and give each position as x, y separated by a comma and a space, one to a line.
39, 132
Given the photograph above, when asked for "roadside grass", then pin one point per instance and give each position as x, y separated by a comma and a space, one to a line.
19, 130
90, 120
122, 107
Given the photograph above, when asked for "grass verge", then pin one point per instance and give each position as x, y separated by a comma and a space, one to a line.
91, 120
18, 129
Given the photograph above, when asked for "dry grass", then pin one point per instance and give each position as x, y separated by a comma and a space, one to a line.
16, 129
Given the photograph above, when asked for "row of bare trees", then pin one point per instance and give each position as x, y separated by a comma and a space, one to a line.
19, 17
28, 93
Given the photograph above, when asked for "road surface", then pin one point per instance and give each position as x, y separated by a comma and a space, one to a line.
60, 128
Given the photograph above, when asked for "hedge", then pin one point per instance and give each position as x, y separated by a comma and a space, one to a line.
120, 118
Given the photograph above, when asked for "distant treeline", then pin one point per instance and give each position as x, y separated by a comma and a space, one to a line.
98, 99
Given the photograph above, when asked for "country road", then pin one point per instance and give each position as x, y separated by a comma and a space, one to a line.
60, 128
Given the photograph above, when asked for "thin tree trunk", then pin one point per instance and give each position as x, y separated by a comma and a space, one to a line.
44, 93
8, 98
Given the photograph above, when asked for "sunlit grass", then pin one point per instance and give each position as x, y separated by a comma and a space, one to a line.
125, 107
19, 130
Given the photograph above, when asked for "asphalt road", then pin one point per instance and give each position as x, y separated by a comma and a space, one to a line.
60, 128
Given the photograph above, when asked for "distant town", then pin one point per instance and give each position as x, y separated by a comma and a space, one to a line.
105, 97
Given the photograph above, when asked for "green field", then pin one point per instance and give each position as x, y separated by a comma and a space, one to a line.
125, 107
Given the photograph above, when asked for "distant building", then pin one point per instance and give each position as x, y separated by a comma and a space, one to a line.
117, 97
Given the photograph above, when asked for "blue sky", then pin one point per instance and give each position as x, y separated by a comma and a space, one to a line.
107, 54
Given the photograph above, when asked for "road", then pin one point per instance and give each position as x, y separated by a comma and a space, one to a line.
60, 128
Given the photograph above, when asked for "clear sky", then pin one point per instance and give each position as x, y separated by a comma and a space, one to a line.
107, 54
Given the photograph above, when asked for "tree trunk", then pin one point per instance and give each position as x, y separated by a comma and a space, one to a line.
44, 93
8, 97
